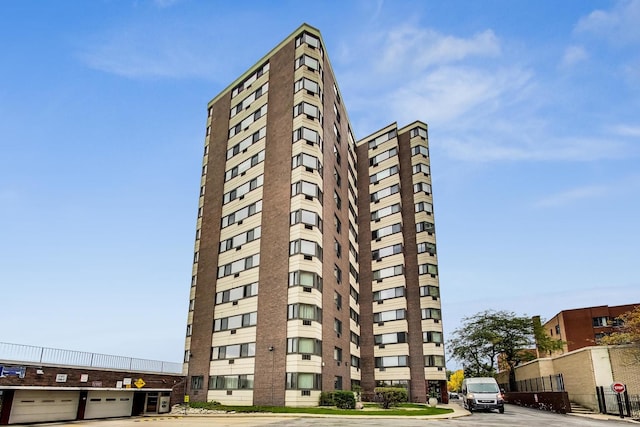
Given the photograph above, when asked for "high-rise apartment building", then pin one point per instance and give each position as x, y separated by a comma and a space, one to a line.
314, 264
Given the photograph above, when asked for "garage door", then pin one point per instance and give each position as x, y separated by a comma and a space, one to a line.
105, 404
43, 405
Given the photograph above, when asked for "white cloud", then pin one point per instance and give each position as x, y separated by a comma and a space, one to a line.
619, 25
141, 52
450, 94
409, 48
573, 195
626, 130
573, 55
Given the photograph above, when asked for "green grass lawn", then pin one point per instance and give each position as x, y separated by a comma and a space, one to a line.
405, 409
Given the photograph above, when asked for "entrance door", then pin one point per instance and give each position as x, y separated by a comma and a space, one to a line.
152, 403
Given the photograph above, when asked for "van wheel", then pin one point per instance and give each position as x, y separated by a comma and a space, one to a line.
501, 410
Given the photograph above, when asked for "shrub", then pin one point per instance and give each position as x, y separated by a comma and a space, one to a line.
344, 399
390, 396
326, 398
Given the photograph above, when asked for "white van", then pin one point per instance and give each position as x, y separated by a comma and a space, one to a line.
481, 393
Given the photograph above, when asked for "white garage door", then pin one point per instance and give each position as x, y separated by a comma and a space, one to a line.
104, 404
43, 405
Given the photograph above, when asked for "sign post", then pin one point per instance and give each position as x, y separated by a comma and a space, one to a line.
619, 388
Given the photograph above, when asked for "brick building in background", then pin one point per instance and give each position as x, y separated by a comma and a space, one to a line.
315, 262
583, 327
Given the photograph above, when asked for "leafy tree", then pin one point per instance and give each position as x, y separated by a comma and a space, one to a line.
628, 332
455, 380
488, 334
544, 343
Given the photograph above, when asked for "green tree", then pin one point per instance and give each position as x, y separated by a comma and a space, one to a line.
489, 334
455, 380
627, 333
544, 343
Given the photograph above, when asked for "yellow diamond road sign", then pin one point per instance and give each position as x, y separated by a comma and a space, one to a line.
139, 383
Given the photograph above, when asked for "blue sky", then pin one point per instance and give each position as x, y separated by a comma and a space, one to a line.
533, 109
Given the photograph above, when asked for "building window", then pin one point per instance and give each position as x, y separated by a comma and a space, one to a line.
386, 231
240, 239
337, 177
428, 269
336, 153
305, 247
238, 266
376, 177
231, 382
600, 321
354, 315
424, 207
354, 294
307, 161
431, 313
309, 189
244, 166
337, 299
385, 192
434, 360
384, 294
337, 224
247, 142
306, 279
386, 211
337, 200
338, 248
432, 337
245, 103
337, 382
384, 273
355, 338
386, 251
426, 247
422, 133
309, 110
355, 362
337, 326
309, 85
249, 80
237, 293
391, 361
304, 312
243, 189
310, 62
196, 382
425, 226
337, 354
310, 40
420, 150
382, 139
392, 338
303, 381
302, 345
233, 351
373, 161
421, 167
422, 187
241, 214
429, 291
235, 322
189, 329
303, 216
337, 273
387, 316
244, 124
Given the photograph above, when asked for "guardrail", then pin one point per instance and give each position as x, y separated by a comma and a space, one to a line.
44, 355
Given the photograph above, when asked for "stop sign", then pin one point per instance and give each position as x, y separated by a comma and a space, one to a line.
618, 387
